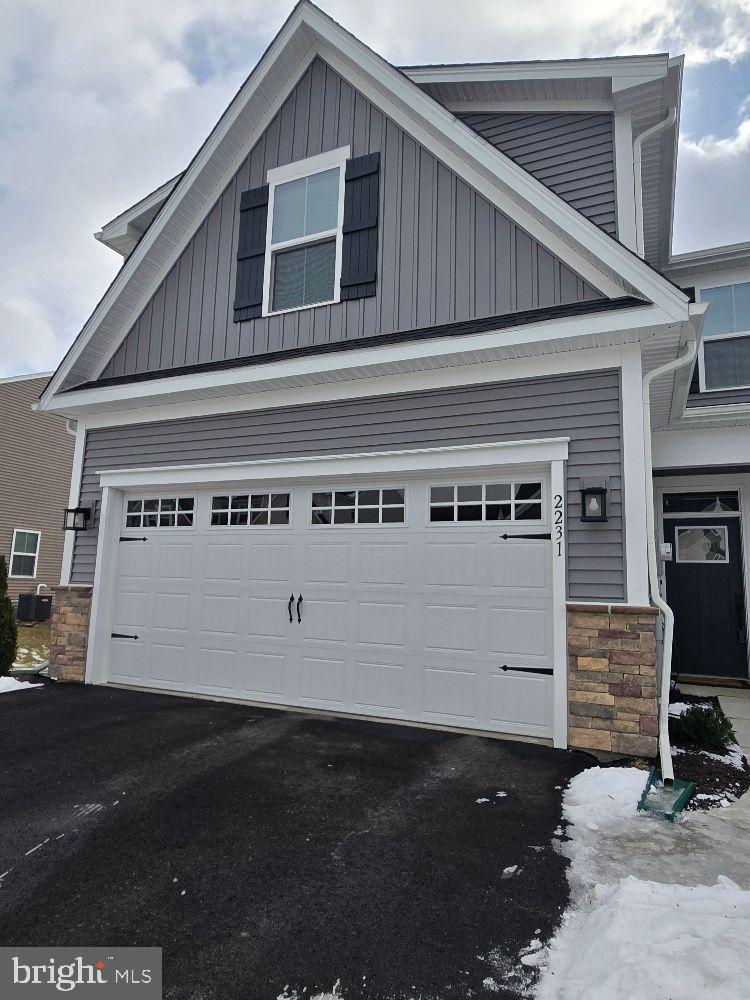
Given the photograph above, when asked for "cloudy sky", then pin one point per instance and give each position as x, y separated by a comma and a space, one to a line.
102, 102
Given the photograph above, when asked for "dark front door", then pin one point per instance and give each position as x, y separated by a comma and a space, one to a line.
705, 591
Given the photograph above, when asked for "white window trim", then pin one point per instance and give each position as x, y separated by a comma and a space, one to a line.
739, 335
733, 335
292, 172
700, 562
24, 576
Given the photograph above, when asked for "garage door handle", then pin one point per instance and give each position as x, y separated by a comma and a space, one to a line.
289, 607
527, 670
299, 605
122, 635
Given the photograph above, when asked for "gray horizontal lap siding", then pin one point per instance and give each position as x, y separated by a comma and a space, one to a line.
573, 154
585, 408
444, 253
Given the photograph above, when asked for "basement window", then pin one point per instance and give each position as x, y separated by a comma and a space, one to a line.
160, 512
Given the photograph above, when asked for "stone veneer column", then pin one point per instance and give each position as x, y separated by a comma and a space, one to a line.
612, 678
71, 610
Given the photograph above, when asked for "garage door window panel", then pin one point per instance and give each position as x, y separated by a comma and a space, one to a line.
241, 510
482, 502
359, 506
160, 512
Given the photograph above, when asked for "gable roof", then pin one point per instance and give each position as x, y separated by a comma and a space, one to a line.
307, 33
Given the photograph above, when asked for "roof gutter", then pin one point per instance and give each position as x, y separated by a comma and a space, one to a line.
667, 122
665, 753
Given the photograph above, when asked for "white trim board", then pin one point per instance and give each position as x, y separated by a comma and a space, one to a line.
362, 387
400, 462
69, 540
621, 326
309, 32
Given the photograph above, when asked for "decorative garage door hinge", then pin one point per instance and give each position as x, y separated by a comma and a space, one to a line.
544, 534
527, 670
126, 538
123, 635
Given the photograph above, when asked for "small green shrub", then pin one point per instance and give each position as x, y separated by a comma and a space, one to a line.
8, 630
705, 727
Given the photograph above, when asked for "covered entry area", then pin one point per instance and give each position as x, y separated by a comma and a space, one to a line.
423, 586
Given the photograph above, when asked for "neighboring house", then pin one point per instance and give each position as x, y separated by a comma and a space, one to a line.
360, 420
36, 459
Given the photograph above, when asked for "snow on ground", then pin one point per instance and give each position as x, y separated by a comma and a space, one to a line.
657, 909
8, 684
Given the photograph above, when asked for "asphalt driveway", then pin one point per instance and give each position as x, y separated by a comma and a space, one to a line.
273, 854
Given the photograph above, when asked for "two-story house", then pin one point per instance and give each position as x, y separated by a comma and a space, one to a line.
361, 421
36, 456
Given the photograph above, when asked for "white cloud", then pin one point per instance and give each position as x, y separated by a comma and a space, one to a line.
101, 103
713, 184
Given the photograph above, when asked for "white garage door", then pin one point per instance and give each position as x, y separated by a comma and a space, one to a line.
392, 599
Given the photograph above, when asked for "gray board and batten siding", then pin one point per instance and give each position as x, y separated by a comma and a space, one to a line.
571, 153
444, 253
585, 407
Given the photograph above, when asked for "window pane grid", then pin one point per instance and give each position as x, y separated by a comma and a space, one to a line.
160, 512
520, 501
24, 553
365, 506
249, 509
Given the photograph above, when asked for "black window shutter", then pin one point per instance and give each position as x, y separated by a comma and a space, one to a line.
251, 254
359, 259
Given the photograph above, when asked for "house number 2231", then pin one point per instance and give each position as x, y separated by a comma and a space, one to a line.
558, 523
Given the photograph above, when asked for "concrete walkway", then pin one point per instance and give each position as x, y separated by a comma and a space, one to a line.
735, 703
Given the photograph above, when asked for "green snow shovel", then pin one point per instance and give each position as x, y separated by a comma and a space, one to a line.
665, 800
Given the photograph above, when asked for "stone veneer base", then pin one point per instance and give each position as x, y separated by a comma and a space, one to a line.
71, 611
612, 678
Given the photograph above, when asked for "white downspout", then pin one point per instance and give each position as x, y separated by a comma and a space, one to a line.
666, 122
665, 754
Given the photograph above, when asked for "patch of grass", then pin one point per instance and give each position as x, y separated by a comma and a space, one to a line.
704, 727
33, 644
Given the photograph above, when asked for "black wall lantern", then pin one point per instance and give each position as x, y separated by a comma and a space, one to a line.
594, 503
76, 518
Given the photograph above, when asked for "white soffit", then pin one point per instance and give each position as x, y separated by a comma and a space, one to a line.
309, 32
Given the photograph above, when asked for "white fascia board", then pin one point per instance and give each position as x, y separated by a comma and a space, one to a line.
564, 334
506, 185
401, 462
563, 230
366, 387
633, 68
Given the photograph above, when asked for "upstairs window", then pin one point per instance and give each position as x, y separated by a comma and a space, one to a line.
304, 235
24, 554
724, 361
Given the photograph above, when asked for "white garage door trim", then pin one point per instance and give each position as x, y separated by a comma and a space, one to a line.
550, 453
